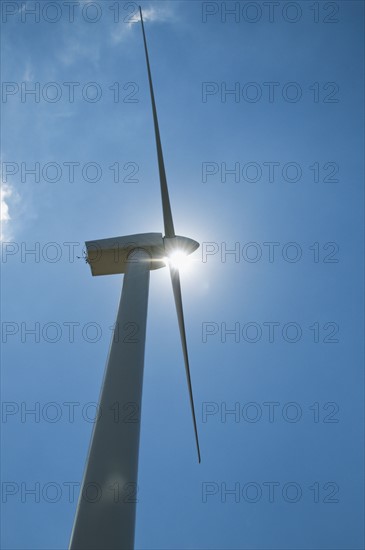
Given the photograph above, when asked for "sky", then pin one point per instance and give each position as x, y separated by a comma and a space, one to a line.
261, 117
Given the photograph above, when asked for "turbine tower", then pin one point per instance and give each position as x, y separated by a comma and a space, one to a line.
106, 510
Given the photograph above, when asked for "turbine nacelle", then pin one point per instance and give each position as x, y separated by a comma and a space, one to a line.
112, 256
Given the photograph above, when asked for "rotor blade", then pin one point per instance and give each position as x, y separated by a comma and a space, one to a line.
175, 279
166, 208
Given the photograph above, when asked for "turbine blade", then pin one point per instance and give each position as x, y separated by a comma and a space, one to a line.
175, 279
166, 207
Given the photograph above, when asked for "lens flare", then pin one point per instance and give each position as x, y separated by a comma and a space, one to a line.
177, 259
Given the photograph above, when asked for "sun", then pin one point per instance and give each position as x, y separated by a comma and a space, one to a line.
177, 259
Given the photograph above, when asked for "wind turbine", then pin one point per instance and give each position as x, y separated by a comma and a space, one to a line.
106, 510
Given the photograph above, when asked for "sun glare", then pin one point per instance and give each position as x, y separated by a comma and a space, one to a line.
177, 259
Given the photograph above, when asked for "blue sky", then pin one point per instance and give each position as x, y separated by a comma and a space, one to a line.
311, 211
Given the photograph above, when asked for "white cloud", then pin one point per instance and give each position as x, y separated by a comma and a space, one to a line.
9, 199
162, 14
154, 14
6, 193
